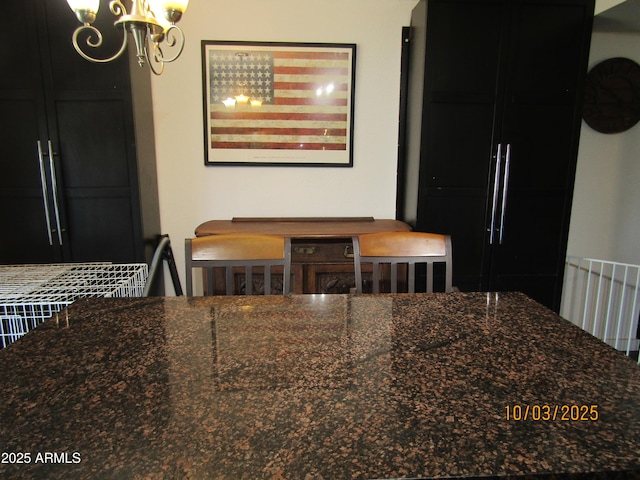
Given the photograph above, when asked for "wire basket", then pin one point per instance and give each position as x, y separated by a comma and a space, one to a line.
30, 294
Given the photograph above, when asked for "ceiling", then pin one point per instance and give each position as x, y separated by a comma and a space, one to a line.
624, 17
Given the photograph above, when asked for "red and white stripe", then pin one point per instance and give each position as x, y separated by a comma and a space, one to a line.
310, 108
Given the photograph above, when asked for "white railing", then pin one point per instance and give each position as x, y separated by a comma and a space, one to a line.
603, 298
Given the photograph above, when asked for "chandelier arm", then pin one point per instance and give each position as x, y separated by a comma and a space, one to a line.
173, 35
117, 8
93, 31
156, 64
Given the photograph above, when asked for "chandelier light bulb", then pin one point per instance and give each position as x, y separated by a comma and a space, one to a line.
171, 10
180, 5
85, 10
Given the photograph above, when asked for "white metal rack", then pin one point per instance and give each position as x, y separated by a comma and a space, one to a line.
29, 294
603, 298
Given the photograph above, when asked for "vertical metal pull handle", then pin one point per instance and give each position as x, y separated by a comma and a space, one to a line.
496, 189
54, 185
505, 185
45, 200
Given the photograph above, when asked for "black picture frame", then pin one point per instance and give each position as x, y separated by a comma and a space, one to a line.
305, 117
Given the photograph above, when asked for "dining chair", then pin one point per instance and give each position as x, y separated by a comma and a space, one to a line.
396, 254
243, 259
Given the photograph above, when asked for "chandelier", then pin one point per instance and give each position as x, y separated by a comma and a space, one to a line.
152, 24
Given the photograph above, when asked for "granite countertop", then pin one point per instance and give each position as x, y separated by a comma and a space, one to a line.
316, 387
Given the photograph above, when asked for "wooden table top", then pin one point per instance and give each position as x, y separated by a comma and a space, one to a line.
303, 227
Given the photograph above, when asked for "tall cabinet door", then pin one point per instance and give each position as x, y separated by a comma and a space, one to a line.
69, 177
500, 83
93, 140
461, 97
25, 194
541, 125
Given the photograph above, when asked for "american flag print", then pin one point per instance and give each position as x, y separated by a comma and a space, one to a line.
305, 110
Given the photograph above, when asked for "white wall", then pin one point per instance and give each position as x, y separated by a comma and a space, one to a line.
602, 5
605, 222
191, 193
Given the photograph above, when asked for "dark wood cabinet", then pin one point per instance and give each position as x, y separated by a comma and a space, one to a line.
75, 140
322, 265
493, 122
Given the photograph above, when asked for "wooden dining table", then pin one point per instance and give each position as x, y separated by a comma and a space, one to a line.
444, 385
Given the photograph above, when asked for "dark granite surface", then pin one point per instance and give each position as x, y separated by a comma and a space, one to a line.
316, 387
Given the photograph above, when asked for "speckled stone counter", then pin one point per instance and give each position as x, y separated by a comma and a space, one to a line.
316, 387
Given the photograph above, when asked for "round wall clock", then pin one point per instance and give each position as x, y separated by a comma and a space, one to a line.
612, 96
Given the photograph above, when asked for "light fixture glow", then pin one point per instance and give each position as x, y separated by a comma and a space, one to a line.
325, 90
152, 24
229, 102
241, 99
85, 10
91, 5
169, 9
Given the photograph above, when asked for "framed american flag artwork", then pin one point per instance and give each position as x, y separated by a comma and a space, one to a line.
285, 104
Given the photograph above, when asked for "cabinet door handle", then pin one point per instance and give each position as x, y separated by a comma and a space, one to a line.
45, 200
496, 189
505, 185
54, 186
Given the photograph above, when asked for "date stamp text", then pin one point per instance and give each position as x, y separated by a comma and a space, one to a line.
551, 413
